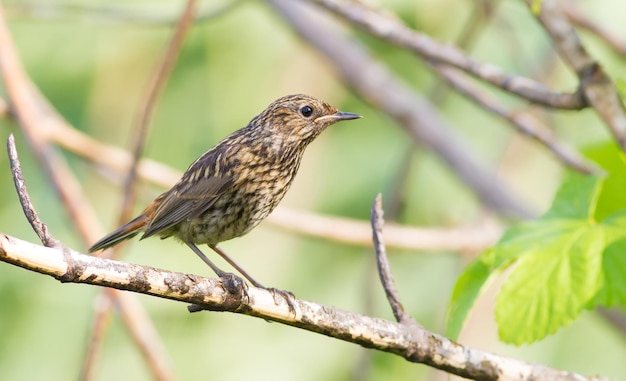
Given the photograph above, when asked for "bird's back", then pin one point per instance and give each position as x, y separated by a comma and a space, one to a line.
235, 186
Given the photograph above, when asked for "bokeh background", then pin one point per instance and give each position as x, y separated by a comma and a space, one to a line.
93, 64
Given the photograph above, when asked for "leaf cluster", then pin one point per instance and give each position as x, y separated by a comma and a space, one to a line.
571, 259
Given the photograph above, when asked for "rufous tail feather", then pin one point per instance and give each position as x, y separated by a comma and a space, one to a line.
122, 233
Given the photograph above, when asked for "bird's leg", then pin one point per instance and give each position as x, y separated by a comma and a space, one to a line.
235, 266
220, 273
233, 283
287, 295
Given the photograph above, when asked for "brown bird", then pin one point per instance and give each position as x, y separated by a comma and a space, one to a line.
232, 187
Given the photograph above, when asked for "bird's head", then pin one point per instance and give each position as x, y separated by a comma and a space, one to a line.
298, 119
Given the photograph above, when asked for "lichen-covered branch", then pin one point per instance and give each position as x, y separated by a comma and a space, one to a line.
417, 345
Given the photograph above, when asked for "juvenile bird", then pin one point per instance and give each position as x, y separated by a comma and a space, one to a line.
232, 187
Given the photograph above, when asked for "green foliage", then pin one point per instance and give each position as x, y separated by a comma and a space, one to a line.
467, 290
570, 259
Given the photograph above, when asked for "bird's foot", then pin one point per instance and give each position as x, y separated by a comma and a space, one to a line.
234, 284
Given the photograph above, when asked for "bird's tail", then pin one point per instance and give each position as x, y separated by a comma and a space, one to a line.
127, 231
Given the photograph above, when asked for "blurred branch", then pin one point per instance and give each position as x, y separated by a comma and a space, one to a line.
155, 85
475, 23
115, 14
415, 345
394, 31
377, 84
99, 325
391, 29
616, 317
356, 232
595, 83
35, 116
576, 17
522, 121
115, 161
146, 109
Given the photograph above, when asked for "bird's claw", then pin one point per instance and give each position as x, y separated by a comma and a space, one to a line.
288, 296
234, 284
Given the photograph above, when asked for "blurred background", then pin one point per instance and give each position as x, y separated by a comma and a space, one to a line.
92, 60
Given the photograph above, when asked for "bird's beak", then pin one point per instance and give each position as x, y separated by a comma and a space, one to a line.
336, 117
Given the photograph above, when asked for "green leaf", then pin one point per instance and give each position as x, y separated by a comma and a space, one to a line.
570, 259
613, 290
529, 237
551, 284
576, 198
466, 290
611, 198
609, 156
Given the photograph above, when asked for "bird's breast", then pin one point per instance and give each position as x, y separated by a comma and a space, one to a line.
254, 195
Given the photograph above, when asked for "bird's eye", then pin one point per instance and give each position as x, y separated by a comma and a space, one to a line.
306, 111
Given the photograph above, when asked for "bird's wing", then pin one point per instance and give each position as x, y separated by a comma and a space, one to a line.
199, 188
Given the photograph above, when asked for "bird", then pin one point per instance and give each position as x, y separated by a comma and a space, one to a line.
233, 186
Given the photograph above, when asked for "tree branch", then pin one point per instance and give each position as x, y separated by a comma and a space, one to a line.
378, 85
596, 85
523, 122
384, 271
394, 31
576, 17
407, 338
417, 345
20, 186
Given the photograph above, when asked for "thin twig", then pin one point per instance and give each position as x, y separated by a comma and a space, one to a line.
39, 227
383, 263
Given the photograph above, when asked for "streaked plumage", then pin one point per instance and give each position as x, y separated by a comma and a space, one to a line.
232, 187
